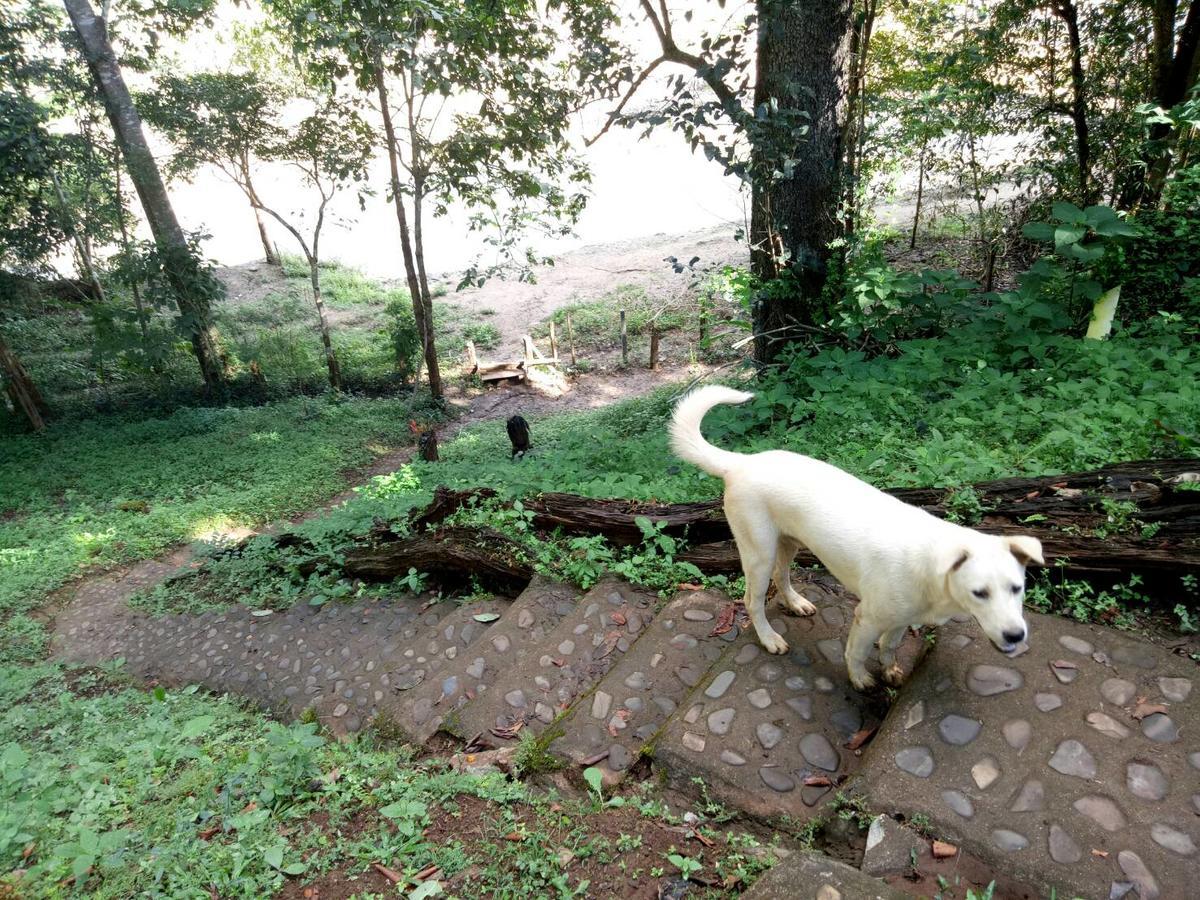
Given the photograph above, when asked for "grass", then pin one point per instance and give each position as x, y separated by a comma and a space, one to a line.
111, 792
596, 323
99, 494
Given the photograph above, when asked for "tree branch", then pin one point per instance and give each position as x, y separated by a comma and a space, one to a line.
633, 88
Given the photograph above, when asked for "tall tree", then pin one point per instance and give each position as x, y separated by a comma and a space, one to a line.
20, 389
776, 118
181, 266
1176, 71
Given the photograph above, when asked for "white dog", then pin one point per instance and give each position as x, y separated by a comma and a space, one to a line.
907, 567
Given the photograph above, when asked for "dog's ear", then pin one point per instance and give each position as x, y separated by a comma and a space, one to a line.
955, 558
1026, 549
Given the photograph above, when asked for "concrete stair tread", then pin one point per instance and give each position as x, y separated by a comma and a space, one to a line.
1035, 762
813, 876
418, 708
631, 702
759, 726
581, 648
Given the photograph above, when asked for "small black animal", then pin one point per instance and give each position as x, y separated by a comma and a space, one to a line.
518, 433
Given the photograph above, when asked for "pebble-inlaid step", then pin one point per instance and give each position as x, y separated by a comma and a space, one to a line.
1075, 766
760, 725
629, 705
576, 654
417, 708
405, 661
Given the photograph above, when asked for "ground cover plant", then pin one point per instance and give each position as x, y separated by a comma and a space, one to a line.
116, 491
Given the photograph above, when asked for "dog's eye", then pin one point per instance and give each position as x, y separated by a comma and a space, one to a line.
982, 593
1016, 588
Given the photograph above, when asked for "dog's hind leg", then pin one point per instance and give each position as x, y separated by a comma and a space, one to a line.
888, 644
756, 546
858, 647
785, 552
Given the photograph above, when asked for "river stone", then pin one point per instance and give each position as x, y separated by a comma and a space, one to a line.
684, 642
1076, 645
986, 680
1117, 691
1072, 758
1135, 870
1101, 810
760, 698
1030, 798
985, 772
819, 752
637, 681
1146, 780
1017, 734
768, 672
915, 761
720, 684
775, 779
959, 730
1009, 841
959, 802
747, 654
697, 615
732, 759
823, 684
831, 649
1160, 728
475, 669
1175, 841
601, 704
890, 847
916, 715
1194, 759
768, 734
693, 741
501, 643
1063, 848
796, 683
1106, 724
1047, 702
1175, 689
802, 706
719, 721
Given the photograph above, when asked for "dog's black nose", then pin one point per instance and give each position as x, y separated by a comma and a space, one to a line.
1015, 636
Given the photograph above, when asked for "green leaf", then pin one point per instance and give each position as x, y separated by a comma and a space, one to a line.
486, 617
426, 889
1068, 234
296, 868
1068, 212
274, 856
261, 612
1039, 231
595, 779
197, 726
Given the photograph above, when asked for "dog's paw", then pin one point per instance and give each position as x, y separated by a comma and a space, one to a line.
862, 681
774, 643
798, 605
894, 675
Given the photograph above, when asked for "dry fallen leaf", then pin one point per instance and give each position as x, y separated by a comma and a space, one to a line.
861, 738
390, 874
817, 781
514, 836
707, 842
618, 617
944, 850
1103, 854
688, 586
1144, 709
1063, 664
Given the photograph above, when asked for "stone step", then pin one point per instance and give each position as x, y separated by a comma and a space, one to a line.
610, 727
530, 693
813, 876
417, 709
389, 669
1045, 766
759, 725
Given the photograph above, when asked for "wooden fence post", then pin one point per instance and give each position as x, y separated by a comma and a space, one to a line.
553, 341
472, 358
654, 346
571, 338
624, 342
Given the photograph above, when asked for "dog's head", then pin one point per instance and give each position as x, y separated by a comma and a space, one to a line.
986, 579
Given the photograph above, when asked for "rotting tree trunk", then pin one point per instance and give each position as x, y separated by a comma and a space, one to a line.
803, 65
424, 324
179, 264
20, 388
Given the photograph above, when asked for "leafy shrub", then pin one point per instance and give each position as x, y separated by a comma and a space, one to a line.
403, 336
1162, 266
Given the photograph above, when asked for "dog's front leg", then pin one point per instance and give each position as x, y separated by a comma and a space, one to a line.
888, 644
862, 637
757, 578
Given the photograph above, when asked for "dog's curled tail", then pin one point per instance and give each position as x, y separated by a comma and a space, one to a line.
687, 441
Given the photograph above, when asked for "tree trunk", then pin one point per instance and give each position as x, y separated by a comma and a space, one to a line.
127, 248
179, 264
1176, 68
331, 361
912, 243
430, 344
803, 65
860, 46
424, 325
1069, 13
269, 254
23, 392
